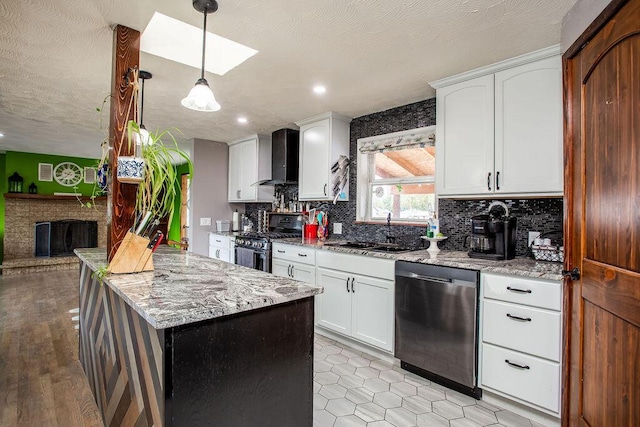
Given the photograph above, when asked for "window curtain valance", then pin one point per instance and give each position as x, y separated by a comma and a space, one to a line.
414, 138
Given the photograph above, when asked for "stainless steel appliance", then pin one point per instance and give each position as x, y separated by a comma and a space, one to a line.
436, 311
493, 236
253, 249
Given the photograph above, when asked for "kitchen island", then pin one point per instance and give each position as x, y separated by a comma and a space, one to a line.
196, 342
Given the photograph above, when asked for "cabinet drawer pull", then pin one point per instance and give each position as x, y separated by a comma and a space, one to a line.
219, 241
521, 291
522, 319
281, 252
497, 180
348, 284
302, 255
489, 181
515, 365
353, 279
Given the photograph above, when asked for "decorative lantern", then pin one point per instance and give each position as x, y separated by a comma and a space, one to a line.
33, 188
15, 183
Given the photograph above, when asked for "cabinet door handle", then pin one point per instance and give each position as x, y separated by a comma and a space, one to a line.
280, 251
238, 194
522, 319
325, 189
515, 365
302, 255
520, 291
489, 181
348, 284
291, 271
353, 279
217, 253
498, 180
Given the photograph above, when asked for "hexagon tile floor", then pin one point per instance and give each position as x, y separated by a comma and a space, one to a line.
354, 389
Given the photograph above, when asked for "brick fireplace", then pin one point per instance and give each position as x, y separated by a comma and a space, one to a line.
23, 211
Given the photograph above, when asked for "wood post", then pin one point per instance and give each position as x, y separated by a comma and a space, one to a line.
121, 197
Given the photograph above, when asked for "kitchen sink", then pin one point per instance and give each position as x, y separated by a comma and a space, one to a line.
389, 249
369, 246
353, 245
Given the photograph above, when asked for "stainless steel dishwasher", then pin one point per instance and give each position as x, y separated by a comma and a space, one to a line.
437, 324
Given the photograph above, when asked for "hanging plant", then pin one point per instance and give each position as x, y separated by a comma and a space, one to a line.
159, 188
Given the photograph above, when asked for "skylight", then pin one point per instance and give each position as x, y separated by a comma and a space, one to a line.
180, 42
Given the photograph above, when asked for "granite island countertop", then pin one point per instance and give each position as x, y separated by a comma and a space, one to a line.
520, 266
185, 288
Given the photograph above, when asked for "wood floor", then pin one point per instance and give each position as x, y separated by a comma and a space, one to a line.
41, 380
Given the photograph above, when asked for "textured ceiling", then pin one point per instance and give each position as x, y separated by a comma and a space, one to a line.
55, 61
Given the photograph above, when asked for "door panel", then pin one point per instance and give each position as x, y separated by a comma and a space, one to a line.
602, 117
334, 304
372, 305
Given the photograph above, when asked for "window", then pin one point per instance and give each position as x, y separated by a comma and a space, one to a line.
396, 175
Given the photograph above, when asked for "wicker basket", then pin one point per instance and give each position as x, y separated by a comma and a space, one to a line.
548, 253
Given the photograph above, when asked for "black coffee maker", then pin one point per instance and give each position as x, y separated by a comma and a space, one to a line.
493, 235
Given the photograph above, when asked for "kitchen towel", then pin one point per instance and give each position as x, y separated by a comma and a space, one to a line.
244, 257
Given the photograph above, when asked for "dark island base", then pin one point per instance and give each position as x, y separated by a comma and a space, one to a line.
253, 368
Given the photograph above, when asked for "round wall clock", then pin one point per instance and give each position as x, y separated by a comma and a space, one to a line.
67, 174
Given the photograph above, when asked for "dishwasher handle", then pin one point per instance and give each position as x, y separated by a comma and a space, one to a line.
427, 278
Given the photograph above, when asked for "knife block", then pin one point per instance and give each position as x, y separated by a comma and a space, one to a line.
133, 255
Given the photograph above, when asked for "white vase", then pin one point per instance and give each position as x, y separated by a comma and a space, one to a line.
130, 169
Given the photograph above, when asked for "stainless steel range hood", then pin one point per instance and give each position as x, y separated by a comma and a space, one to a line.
285, 148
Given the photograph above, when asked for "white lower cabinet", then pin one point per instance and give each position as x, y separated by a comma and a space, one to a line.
294, 270
354, 304
295, 262
222, 247
520, 352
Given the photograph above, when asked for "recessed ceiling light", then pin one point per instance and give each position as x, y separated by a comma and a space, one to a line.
180, 42
242, 120
1, 134
319, 89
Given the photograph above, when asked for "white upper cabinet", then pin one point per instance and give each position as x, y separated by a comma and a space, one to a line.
323, 139
499, 129
464, 137
250, 162
529, 128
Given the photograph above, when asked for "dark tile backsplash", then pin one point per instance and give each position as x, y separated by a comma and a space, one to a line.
544, 215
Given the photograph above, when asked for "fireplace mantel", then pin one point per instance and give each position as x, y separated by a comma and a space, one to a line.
49, 197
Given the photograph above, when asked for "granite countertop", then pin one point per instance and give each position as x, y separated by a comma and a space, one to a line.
185, 288
519, 266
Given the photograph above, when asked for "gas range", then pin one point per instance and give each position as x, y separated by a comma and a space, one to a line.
263, 240
253, 249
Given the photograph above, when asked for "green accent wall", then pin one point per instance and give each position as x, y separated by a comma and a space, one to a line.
174, 228
3, 189
26, 164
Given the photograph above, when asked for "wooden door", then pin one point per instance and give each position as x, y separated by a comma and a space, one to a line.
602, 233
184, 208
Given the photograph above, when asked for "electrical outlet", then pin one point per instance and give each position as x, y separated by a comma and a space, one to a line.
337, 228
532, 236
205, 221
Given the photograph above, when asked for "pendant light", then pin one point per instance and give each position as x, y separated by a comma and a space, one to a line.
201, 97
144, 133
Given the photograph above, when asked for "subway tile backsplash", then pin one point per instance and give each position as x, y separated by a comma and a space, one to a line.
544, 215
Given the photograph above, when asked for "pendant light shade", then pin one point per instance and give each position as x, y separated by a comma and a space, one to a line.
201, 97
